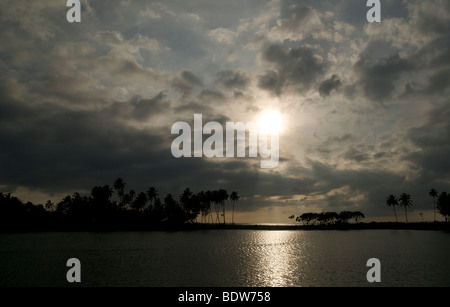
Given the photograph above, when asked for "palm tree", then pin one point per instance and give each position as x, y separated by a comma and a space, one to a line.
171, 209
128, 198
234, 197
152, 193
216, 200
208, 199
405, 201
157, 210
140, 202
101, 194
119, 186
434, 194
205, 205
190, 203
222, 196
185, 199
444, 205
49, 205
391, 200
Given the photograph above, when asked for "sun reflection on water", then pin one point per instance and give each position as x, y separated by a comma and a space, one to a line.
276, 259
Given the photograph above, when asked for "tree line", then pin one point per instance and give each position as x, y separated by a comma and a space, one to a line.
328, 218
115, 207
441, 203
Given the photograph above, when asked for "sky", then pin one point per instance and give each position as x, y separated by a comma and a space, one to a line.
365, 106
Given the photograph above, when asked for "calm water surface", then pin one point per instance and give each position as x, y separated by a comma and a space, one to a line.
227, 258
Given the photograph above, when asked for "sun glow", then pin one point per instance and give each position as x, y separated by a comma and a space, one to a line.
270, 122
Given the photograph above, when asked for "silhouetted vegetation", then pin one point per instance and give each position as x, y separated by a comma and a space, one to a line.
405, 201
333, 220
328, 218
443, 205
234, 197
115, 208
434, 194
392, 201
16, 215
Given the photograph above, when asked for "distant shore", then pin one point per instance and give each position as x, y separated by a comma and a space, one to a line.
343, 226
276, 227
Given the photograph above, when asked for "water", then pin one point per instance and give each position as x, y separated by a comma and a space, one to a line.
227, 258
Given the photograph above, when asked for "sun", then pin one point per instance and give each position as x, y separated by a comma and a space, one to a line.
270, 122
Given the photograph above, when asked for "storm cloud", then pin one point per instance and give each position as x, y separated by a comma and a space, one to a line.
296, 68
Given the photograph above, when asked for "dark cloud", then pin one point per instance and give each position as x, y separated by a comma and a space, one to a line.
72, 150
192, 107
443, 59
378, 78
60, 150
435, 132
233, 79
211, 95
384, 155
131, 69
432, 61
11, 108
271, 82
356, 155
296, 68
433, 142
340, 139
57, 149
438, 82
145, 108
431, 22
190, 78
329, 85
185, 82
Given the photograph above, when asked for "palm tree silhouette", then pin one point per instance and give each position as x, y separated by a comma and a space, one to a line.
222, 197
119, 186
405, 201
185, 198
391, 200
216, 200
234, 197
152, 193
133, 210
205, 205
129, 197
49, 205
444, 205
434, 194
140, 202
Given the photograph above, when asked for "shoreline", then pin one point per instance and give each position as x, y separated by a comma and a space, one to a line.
441, 226
348, 226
